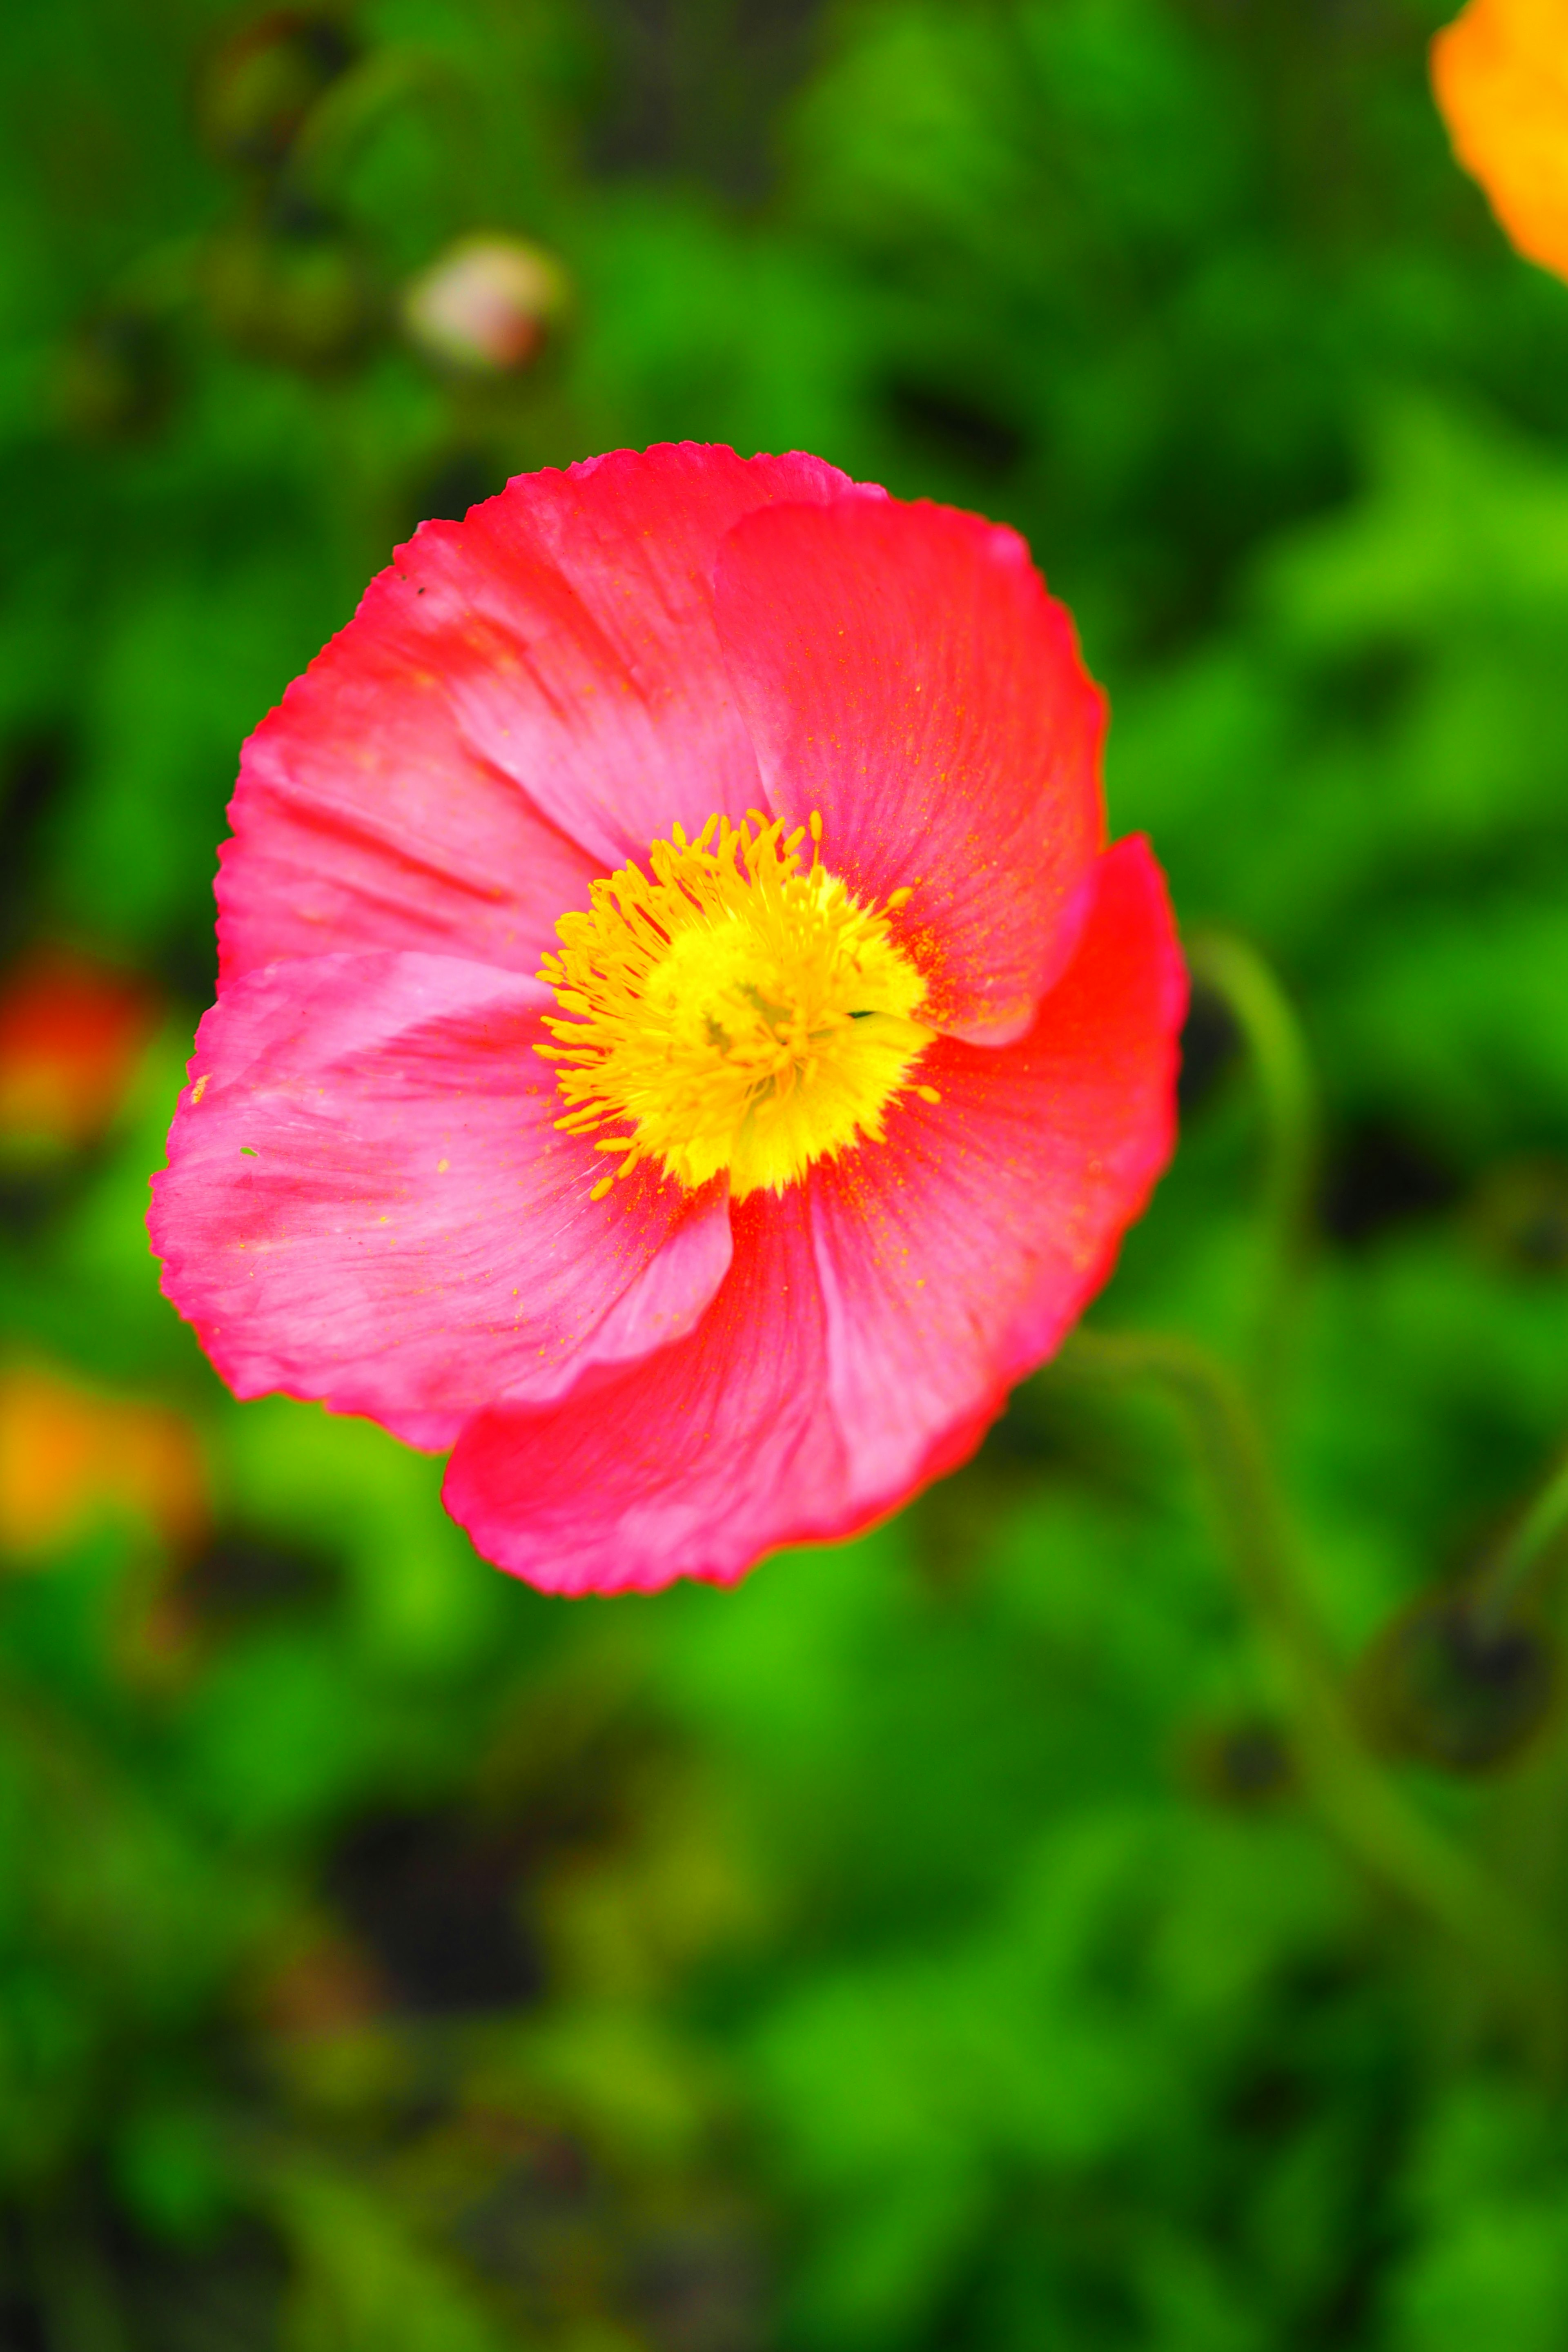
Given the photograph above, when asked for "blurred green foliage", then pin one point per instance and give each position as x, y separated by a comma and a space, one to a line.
933, 1943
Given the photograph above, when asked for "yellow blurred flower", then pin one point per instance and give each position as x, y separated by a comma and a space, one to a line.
1501, 74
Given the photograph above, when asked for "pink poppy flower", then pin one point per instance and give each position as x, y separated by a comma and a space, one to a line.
681, 1041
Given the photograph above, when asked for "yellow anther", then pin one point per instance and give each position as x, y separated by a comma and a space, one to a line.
730, 1012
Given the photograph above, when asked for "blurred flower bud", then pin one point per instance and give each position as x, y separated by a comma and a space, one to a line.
114, 377
238, 1579
69, 1458
291, 286
256, 88
1518, 1216
486, 305
1451, 1684
71, 1034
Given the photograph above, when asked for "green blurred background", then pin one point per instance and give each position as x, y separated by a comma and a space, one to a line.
939, 1942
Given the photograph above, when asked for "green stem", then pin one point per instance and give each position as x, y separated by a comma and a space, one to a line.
1505, 1583
1283, 1069
1371, 1817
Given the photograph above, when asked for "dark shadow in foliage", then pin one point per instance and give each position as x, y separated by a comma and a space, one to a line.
700, 2289
1211, 1047
1242, 1763
22, 2327
1059, 2253
117, 378
1380, 1175
227, 2294
1373, 688
185, 964
537, 2217
1518, 1215
35, 769
33, 1199
1029, 1430
461, 478
694, 87
436, 1900
244, 1575
954, 428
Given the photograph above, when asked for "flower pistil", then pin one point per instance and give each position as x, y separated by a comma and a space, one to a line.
742, 1010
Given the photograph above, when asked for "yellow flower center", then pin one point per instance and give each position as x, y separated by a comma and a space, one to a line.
737, 1012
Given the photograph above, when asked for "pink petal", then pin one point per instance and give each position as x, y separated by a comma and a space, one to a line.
873, 1319
713, 1452
523, 700
903, 671
960, 1262
367, 1201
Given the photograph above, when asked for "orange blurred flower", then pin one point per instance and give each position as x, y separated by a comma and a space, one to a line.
69, 1458
1501, 74
72, 1033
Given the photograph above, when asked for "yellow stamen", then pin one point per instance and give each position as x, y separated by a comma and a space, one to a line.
735, 1012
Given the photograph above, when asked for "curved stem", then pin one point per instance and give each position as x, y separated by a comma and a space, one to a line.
1502, 1585
1283, 1068
1371, 1817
